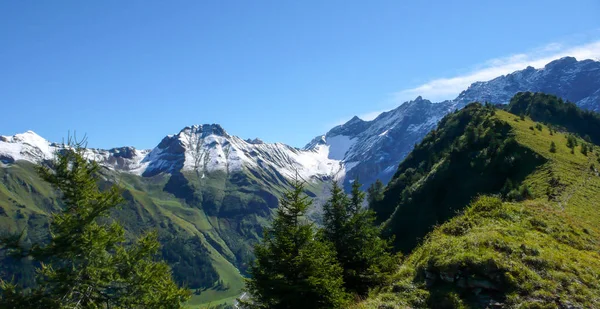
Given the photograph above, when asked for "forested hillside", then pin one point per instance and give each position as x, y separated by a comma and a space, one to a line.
206, 225
515, 224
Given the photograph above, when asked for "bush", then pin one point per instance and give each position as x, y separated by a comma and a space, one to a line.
584, 149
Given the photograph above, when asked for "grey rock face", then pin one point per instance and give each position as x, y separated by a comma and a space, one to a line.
373, 149
576, 81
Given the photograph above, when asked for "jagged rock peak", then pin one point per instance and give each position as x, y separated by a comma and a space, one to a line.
354, 120
126, 152
255, 141
419, 100
205, 130
319, 140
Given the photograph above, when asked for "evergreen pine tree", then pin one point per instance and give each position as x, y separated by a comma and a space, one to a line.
293, 267
584, 149
336, 213
85, 263
552, 147
357, 197
375, 193
571, 141
363, 254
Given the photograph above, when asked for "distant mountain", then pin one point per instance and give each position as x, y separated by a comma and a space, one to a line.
201, 148
373, 149
576, 81
33, 148
368, 150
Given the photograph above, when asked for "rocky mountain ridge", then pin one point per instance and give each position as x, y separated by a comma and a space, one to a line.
201, 148
373, 149
368, 150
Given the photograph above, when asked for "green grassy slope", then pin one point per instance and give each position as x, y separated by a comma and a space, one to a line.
470, 153
542, 252
217, 218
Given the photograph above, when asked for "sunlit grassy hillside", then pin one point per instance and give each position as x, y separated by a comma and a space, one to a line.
543, 252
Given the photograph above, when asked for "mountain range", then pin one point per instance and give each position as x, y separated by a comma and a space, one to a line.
373, 149
368, 150
211, 193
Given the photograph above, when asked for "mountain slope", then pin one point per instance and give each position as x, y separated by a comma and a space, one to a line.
536, 248
207, 193
371, 150
446, 170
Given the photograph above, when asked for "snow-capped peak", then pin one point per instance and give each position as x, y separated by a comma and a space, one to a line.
24, 146
205, 130
208, 148
372, 149
31, 147
203, 148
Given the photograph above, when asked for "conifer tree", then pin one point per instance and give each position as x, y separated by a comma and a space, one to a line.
85, 264
357, 197
552, 147
363, 254
336, 214
294, 268
571, 142
375, 193
584, 149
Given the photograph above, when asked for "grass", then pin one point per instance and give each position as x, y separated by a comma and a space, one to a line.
194, 221
229, 274
225, 219
24, 201
540, 253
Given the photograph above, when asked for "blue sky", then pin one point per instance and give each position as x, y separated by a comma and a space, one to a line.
131, 72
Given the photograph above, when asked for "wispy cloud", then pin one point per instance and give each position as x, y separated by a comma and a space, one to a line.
441, 89
448, 88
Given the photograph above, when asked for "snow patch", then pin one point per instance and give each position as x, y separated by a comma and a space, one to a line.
339, 146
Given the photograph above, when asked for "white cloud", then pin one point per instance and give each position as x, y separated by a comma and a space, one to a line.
448, 88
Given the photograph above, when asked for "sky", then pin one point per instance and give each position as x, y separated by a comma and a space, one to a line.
128, 73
